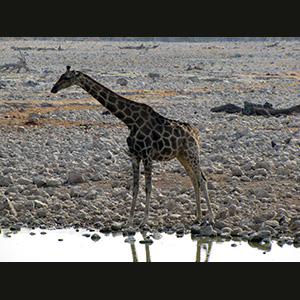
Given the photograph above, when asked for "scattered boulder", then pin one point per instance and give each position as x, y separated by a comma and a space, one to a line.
257, 237
75, 177
154, 75
203, 230
236, 171
122, 81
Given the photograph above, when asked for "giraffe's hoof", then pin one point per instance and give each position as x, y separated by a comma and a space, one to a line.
142, 226
196, 222
204, 223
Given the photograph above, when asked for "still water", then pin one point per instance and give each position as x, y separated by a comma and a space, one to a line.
70, 245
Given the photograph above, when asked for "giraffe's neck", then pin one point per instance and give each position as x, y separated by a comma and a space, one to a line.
119, 106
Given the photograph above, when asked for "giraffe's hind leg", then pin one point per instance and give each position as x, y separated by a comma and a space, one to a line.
192, 166
148, 188
203, 186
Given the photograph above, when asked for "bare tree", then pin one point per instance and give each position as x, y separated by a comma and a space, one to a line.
16, 66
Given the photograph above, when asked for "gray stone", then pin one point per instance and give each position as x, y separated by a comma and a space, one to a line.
232, 209
53, 182
29, 204
226, 230
24, 181
195, 229
194, 78
75, 177
39, 204
260, 171
269, 214
222, 213
15, 227
116, 227
205, 231
130, 240
295, 225
95, 237
122, 81
236, 230
262, 165
146, 241
42, 212
261, 193
245, 178
296, 238
272, 223
5, 203
39, 181
236, 171
154, 75
257, 237
6, 180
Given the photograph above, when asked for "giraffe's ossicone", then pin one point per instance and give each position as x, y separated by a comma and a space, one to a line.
151, 137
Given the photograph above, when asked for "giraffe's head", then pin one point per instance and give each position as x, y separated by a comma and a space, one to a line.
66, 80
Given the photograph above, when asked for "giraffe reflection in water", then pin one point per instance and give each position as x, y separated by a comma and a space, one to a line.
202, 244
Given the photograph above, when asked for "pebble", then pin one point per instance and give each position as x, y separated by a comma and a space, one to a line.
236, 171
122, 81
75, 177
257, 237
130, 240
15, 227
116, 227
95, 237
203, 231
146, 241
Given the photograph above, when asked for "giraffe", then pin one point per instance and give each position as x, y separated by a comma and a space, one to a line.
152, 137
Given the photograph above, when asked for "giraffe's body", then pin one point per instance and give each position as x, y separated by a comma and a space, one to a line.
152, 137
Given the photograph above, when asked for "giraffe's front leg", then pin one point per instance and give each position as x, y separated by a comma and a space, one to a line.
203, 183
136, 175
148, 176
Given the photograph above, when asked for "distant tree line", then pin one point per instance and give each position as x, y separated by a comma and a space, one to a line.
157, 39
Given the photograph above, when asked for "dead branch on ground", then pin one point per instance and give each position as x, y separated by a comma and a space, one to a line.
249, 109
16, 66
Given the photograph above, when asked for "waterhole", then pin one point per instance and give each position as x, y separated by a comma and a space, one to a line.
38, 245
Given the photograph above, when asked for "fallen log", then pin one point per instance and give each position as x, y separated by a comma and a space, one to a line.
141, 47
249, 109
16, 66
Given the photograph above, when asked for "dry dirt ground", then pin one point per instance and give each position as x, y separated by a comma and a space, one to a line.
192, 79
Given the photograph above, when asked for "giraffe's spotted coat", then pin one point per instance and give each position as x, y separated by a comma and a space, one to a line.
151, 137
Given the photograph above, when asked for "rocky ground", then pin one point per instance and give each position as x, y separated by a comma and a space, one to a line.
62, 158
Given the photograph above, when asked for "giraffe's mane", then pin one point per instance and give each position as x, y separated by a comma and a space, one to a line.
103, 86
